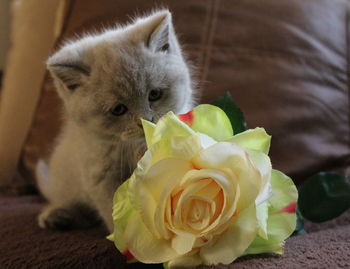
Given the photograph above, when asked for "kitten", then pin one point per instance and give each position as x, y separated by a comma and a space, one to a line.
107, 83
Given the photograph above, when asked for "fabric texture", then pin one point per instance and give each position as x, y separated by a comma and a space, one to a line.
24, 245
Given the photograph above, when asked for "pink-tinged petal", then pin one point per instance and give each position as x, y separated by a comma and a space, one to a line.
170, 126
291, 208
128, 255
285, 193
279, 226
187, 118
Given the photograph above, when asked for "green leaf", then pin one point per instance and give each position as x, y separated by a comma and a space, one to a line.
228, 105
324, 196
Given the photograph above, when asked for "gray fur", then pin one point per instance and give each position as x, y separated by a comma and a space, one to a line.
97, 151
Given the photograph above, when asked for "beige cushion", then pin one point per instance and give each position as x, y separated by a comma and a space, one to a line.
35, 27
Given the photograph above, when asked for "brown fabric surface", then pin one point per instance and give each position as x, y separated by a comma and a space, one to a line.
286, 64
284, 61
24, 245
321, 250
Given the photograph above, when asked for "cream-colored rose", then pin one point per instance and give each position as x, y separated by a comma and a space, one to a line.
193, 200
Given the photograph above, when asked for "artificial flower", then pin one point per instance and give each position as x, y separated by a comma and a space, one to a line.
201, 195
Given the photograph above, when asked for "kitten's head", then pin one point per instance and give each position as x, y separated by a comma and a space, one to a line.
108, 82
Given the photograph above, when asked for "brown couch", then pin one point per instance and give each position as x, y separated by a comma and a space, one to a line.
286, 62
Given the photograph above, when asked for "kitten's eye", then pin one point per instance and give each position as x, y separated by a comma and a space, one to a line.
155, 95
119, 110
165, 47
72, 87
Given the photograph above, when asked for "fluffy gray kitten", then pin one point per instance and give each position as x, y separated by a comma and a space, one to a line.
107, 83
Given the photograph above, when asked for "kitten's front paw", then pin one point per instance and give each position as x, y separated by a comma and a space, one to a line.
56, 219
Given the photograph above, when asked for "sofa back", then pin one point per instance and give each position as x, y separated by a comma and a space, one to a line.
286, 63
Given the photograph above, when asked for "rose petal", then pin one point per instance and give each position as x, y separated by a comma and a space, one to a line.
186, 261
225, 156
184, 196
206, 141
183, 243
185, 147
256, 139
234, 241
198, 213
262, 162
210, 191
212, 121
143, 245
284, 191
279, 225
230, 193
262, 213
160, 150
122, 209
149, 192
169, 126
148, 129
187, 117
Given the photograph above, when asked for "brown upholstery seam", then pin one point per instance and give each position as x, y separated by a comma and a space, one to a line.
66, 20
251, 51
249, 54
204, 41
211, 31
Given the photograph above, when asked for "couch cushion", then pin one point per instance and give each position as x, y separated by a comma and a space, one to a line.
33, 36
286, 67
286, 63
24, 245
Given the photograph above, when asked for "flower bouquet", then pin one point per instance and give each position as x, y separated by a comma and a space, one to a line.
203, 193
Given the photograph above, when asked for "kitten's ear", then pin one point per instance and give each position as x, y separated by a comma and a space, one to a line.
157, 32
68, 69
